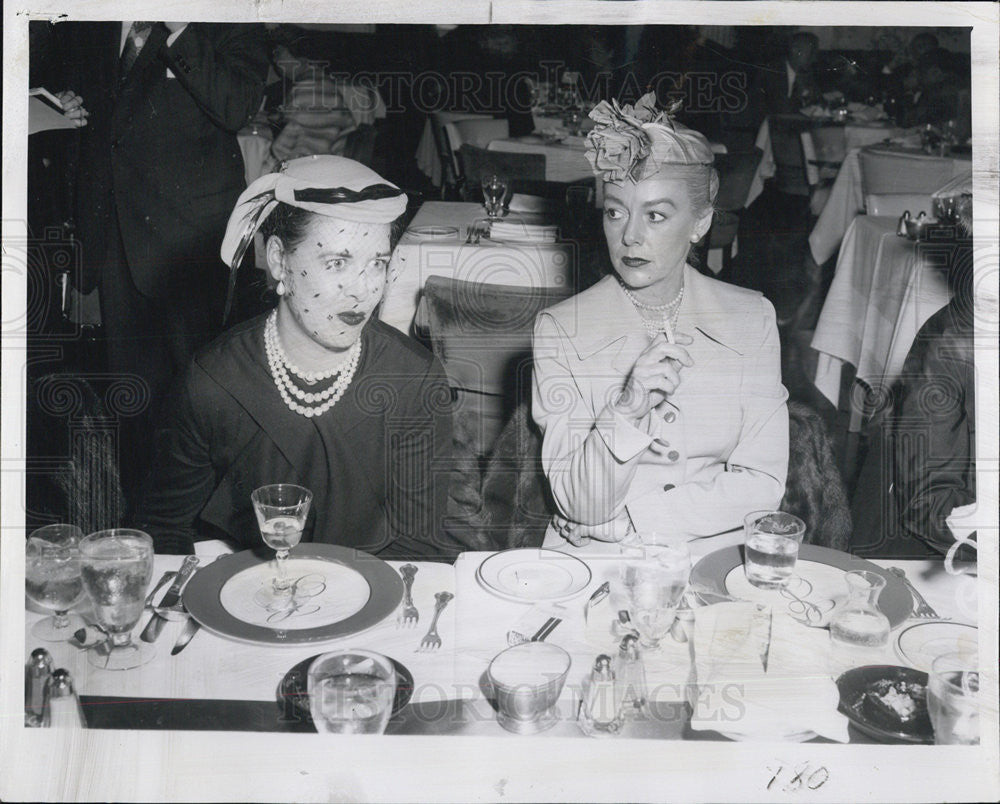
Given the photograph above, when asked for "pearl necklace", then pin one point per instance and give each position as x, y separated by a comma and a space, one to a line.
653, 308
279, 364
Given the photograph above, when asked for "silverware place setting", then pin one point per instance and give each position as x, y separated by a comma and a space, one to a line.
408, 614
431, 640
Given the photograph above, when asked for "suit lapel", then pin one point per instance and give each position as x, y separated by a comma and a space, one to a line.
144, 72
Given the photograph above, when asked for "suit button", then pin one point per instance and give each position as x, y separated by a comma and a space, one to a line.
673, 455
670, 417
668, 487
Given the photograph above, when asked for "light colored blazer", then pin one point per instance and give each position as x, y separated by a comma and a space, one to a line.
715, 450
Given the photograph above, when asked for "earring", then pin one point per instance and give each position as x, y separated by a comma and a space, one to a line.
280, 290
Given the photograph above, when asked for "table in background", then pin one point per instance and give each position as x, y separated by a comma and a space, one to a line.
883, 291
532, 265
846, 199
565, 161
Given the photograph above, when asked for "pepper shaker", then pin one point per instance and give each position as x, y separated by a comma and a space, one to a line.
36, 675
600, 709
630, 677
64, 710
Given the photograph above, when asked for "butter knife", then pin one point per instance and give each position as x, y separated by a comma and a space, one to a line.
171, 598
190, 629
767, 648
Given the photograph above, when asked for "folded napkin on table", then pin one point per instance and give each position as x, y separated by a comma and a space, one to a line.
736, 696
521, 232
519, 202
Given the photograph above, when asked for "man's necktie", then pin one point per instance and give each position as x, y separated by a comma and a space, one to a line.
137, 36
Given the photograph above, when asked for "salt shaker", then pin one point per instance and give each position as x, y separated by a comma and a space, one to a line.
901, 226
64, 709
36, 675
600, 709
630, 677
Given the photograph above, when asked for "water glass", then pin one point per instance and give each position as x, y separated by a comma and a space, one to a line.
527, 680
52, 579
351, 692
953, 699
282, 510
494, 194
117, 566
772, 547
652, 589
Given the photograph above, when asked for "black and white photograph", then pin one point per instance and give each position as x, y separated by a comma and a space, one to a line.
514, 400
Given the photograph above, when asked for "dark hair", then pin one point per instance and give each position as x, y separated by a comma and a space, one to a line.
804, 38
289, 224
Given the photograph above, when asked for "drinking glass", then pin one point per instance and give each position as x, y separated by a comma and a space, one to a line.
351, 692
281, 511
117, 566
953, 699
652, 589
52, 579
772, 547
860, 623
494, 194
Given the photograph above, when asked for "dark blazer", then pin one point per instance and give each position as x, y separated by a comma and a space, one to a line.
378, 462
160, 151
771, 94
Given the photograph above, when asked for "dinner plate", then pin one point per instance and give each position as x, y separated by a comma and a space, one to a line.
433, 232
531, 575
856, 684
816, 589
339, 591
921, 643
293, 690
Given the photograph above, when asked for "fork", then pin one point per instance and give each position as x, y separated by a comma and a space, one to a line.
431, 640
408, 615
921, 608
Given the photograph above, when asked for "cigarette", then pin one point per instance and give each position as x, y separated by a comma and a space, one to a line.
668, 330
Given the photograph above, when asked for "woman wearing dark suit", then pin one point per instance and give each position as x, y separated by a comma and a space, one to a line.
658, 390
317, 392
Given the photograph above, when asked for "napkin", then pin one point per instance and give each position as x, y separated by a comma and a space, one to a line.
733, 693
519, 202
529, 623
520, 232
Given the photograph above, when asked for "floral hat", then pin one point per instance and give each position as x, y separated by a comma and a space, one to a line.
632, 142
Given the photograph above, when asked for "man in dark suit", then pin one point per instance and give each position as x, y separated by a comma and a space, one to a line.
788, 85
160, 170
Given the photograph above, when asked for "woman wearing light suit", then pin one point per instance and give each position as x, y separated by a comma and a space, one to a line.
658, 390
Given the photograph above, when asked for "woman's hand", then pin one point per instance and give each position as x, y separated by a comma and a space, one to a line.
580, 535
73, 107
654, 376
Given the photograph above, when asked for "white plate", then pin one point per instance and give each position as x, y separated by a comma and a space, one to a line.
532, 575
433, 232
921, 643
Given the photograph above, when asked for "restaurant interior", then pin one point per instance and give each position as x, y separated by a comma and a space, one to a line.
844, 157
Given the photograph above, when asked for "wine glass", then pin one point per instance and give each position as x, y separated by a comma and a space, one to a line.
652, 589
117, 566
52, 579
494, 194
281, 511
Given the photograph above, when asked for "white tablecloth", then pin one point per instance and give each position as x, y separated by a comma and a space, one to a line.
473, 629
520, 264
846, 201
884, 289
563, 162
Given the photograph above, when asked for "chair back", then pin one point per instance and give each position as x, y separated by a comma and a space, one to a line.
359, 144
447, 157
814, 488
736, 171
481, 333
525, 172
790, 174
895, 204
825, 148
883, 172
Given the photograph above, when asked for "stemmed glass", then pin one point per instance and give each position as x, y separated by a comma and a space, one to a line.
117, 566
281, 511
52, 579
652, 589
494, 194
